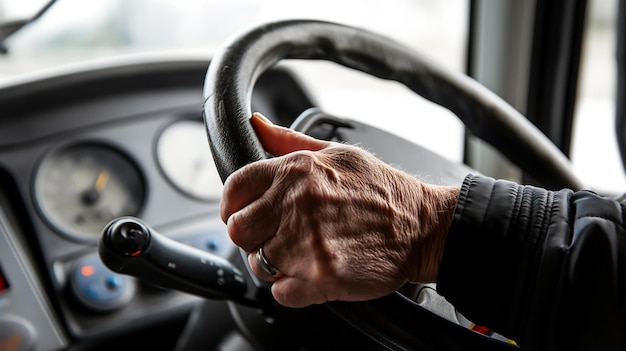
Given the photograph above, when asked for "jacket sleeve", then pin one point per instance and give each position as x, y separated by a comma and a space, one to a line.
544, 268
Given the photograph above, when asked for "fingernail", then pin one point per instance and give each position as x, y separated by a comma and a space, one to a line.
262, 118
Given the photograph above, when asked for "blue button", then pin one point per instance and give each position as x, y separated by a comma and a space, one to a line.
212, 245
114, 282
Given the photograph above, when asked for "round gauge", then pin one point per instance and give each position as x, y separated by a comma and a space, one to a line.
80, 188
185, 157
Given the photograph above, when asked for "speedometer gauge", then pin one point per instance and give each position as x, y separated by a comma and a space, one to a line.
80, 188
185, 158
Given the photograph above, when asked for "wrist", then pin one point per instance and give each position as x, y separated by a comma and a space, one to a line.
435, 211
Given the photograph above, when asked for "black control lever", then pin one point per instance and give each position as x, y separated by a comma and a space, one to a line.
129, 246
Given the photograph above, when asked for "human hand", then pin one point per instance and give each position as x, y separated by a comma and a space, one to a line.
338, 223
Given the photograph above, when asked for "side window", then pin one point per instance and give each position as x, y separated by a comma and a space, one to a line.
594, 150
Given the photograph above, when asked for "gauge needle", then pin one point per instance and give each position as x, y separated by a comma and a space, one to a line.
102, 180
92, 195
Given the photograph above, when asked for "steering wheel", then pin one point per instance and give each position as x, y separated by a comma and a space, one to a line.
394, 321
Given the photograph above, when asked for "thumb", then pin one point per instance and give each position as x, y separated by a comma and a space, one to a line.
279, 140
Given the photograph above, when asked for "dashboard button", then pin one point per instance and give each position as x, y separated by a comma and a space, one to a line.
16, 334
98, 288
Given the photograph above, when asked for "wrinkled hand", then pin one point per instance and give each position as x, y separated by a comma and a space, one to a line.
336, 221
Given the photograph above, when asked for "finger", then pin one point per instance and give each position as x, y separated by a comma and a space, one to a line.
279, 140
296, 293
256, 223
244, 186
247, 206
256, 266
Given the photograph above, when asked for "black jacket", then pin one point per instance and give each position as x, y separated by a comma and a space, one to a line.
547, 269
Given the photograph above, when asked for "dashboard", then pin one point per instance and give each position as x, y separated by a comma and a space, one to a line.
79, 148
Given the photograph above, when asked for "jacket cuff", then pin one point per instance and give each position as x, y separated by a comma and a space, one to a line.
492, 251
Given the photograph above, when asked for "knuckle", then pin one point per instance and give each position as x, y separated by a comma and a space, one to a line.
308, 180
300, 162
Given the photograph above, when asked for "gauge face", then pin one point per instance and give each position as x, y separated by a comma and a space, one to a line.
185, 157
79, 189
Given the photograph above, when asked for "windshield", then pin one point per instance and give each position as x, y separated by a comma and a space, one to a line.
75, 31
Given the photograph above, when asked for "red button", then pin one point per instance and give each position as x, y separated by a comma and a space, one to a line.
3, 283
16, 334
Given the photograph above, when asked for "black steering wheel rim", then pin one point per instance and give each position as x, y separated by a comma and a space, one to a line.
394, 321
234, 70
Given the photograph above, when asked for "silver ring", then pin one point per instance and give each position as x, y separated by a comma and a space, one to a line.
264, 264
